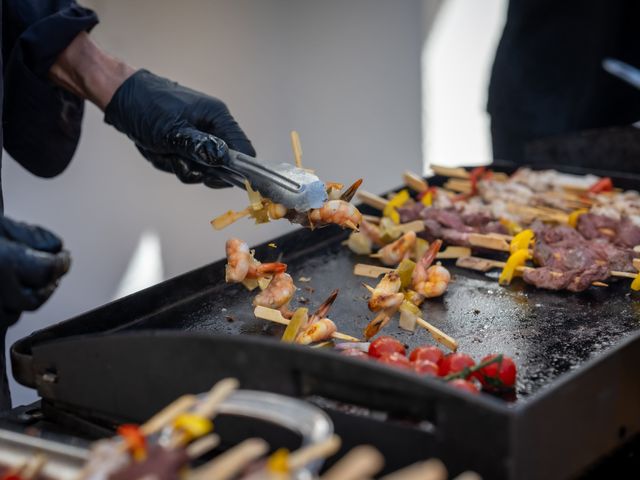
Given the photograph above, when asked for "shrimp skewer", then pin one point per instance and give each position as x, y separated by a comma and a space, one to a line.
278, 293
242, 265
387, 293
395, 252
320, 330
430, 280
337, 212
348, 194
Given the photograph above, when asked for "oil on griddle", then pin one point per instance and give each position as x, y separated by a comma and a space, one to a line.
546, 333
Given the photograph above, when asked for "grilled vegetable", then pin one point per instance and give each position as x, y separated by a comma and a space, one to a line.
427, 352
454, 363
497, 376
384, 345
425, 367
395, 359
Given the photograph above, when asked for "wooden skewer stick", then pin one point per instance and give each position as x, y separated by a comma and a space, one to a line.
276, 316
228, 464
457, 172
371, 218
415, 226
415, 181
487, 241
438, 335
296, 146
430, 470
203, 445
371, 199
310, 453
460, 186
361, 462
218, 394
168, 414
228, 218
374, 271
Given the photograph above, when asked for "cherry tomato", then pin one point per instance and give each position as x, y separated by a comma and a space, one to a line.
395, 359
354, 352
465, 385
499, 375
425, 367
454, 363
383, 345
427, 352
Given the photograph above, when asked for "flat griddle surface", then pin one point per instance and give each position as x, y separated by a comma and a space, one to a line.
547, 333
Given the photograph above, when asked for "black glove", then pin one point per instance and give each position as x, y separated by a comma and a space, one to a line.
31, 263
177, 129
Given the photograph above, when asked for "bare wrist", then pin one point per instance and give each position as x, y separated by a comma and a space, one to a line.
87, 71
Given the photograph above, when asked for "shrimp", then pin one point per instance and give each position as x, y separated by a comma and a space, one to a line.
387, 293
393, 253
278, 293
335, 211
317, 331
238, 260
242, 265
323, 309
348, 194
430, 280
372, 232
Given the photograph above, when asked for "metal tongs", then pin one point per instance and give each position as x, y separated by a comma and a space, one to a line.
283, 183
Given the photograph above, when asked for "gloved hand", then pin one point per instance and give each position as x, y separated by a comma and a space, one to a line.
31, 263
177, 129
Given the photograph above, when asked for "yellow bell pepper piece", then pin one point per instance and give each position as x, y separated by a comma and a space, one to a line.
298, 320
278, 462
405, 271
397, 200
427, 199
573, 216
512, 227
516, 259
635, 285
521, 241
192, 426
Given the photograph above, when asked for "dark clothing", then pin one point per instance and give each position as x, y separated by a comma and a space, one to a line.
547, 76
40, 122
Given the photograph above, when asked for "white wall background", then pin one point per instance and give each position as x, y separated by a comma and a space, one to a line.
457, 60
345, 74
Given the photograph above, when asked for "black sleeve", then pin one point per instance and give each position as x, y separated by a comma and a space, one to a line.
41, 121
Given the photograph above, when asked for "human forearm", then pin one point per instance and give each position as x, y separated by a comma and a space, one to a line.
87, 71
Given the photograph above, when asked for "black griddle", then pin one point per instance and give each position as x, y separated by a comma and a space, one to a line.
578, 393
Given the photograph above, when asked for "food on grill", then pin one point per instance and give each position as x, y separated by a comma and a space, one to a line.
455, 363
397, 250
496, 373
425, 367
497, 376
427, 352
384, 345
277, 294
430, 280
241, 265
395, 359
336, 211
588, 233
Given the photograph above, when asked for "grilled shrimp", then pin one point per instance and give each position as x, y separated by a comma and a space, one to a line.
238, 260
393, 253
241, 264
317, 331
323, 309
372, 232
348, 194
278, 293
386, 294
430, 280
335, 211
